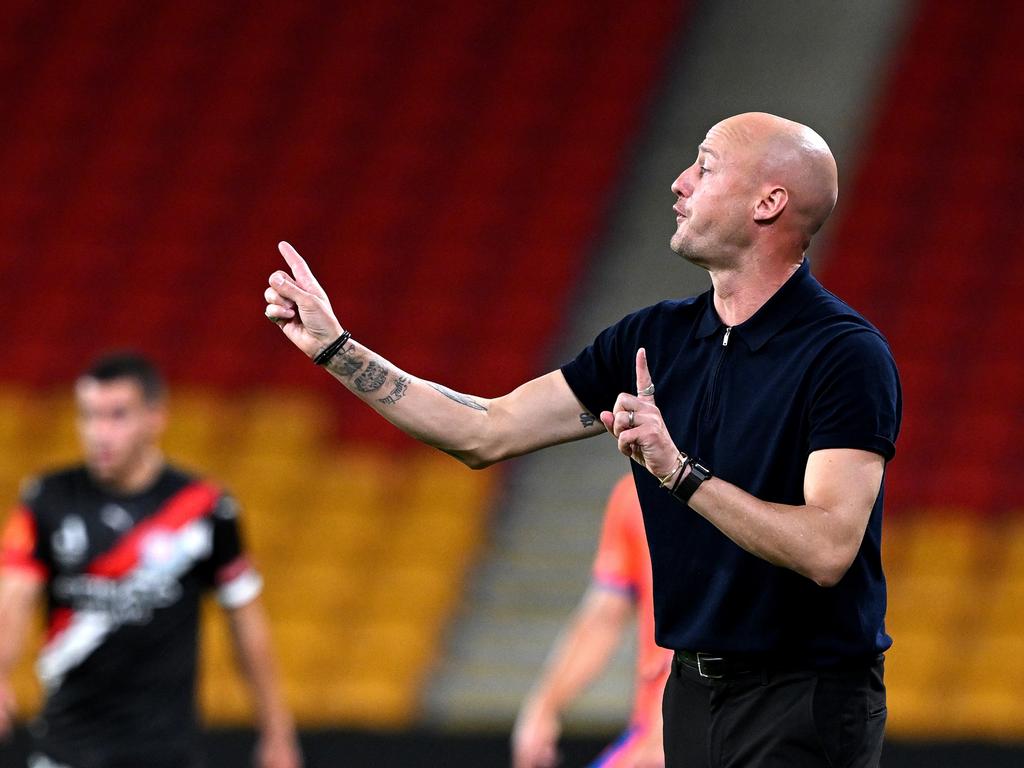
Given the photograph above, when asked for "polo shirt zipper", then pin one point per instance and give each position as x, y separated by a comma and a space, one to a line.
711, 402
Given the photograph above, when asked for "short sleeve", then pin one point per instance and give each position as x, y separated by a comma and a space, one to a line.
856, 400
20, 548
595, 375
614, 564
232, 574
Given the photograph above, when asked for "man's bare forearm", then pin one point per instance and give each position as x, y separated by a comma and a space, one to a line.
802, 538
251, 635
18, 595
452, 422
818, 539
582, 651
476, 431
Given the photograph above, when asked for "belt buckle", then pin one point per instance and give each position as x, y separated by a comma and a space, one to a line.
701, 658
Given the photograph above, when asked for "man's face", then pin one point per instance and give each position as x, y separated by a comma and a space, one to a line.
116, 425
714, 201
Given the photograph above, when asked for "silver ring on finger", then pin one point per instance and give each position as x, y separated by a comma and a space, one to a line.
647, 391
632, 419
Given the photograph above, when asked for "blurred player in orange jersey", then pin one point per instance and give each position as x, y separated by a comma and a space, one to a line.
121, 547
621, 586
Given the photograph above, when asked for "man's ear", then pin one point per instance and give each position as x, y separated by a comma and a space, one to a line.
771, 204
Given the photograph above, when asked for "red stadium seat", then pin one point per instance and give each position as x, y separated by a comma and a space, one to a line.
928, 248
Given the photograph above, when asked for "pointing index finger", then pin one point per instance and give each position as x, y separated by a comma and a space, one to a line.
643, 376
299, 267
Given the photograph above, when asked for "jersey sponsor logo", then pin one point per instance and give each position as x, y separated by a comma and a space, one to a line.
166, 556
130, 601
70, 542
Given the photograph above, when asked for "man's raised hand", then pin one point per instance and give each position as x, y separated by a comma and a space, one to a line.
298, 304
637, 423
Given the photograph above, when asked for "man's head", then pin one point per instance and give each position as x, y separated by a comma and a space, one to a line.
759, 182
121, 415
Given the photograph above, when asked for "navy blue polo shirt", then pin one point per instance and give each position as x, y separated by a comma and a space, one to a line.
804, 373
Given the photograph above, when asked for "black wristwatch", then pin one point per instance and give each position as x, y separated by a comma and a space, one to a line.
689, 484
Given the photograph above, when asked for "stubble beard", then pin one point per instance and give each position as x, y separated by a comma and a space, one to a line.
684, 248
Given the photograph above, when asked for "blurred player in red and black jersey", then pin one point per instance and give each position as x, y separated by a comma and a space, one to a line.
122, 547
621, 587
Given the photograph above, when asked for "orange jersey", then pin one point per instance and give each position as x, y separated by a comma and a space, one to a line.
623, 563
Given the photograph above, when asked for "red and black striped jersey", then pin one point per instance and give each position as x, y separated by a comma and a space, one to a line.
123, 577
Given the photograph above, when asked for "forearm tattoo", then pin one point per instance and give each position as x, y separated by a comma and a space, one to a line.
586, 420
372, 378
458, 398
346, 364
397, 391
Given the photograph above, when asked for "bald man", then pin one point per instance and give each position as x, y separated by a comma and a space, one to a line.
759, 418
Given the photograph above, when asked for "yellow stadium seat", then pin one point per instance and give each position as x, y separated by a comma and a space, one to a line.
945, 543
995, 660
1003, 606
392, 646
439, 479
927, 600
916, 658
295, 421
365, 701
16, 407
426, 593
195, 429
988, 712
914, 713
314, 590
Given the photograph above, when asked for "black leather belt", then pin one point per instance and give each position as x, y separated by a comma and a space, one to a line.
716, 667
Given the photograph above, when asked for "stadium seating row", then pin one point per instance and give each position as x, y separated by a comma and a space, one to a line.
148, 177
956, 584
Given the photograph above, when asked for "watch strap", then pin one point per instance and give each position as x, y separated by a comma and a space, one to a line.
690, 481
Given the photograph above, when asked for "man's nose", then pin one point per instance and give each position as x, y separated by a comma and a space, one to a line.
681, 186
96, 431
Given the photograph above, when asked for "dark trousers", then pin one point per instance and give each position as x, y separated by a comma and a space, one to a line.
832, 718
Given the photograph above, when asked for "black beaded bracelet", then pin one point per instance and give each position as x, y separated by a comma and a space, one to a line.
331, 349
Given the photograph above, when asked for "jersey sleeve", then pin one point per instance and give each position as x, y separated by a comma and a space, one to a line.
230, 571
615, 565
596, 374
856, 400
20, 547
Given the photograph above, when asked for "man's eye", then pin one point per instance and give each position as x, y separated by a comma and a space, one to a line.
703, 170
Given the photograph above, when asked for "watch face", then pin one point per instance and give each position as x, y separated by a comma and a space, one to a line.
700, 471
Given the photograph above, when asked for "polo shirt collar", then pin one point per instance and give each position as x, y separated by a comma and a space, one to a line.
771, 317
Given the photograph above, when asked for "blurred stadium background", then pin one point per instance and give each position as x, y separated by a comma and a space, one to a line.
482, 187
